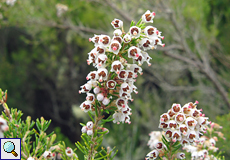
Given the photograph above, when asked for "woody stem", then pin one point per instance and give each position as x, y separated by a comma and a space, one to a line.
94, 137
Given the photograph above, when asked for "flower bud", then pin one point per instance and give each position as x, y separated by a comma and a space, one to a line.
90, 132
100, 97
105, 101
89, 125
84, 129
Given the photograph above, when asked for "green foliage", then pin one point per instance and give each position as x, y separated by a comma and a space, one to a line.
26, 131
34, 139
34, 48
224, 121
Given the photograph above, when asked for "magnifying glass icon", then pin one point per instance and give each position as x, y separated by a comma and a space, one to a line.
9, 147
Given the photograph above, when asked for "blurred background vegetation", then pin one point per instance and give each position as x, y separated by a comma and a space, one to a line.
43, 56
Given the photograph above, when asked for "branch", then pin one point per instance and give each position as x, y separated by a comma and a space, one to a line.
68, 27
165, 85
204, 66
171, 47
184, 59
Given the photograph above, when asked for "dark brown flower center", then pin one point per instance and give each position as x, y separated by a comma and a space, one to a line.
122, 74
125, 89
176, 135
117, 67
172, 125
114, 45
165, 118
190, 123
133, 52
156, 41
136, 70
176, 108
91, 98
146, 44
100, 50
102, 73
116, 22
86, 106
195, 113
118, 39
169, 133
183, 129
150, 31
191, 136
148, 17
121, 102
96, 39
105, 40
134, 30
93, 75
171, 113
130, 75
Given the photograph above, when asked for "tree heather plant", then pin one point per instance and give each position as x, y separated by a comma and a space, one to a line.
184, 126
118, 60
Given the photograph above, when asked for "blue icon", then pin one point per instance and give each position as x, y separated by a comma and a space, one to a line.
9, 147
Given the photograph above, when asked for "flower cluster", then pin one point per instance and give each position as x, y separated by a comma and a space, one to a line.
181, 126
117, 61
88, 128
158, 147
156, 144
202, 148
3, 127
51, 154
184, 124
155, 137
10, 2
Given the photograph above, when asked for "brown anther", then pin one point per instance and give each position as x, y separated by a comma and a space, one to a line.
171, 125
130, 75
120, 102
190, 123
191, 136
156, 41
93, 75
133, 30
91, 98
176, 135
117, 67
148, 17
118, 39
176, 108
136, 70
116, 22
164, 125
169, 133
183, 129
165, 118
170, 113
139, 58
85, 89
133, 52
122, 74
96, 39
146, 44
115, 45
105, 40
150, 31
195, 113
100, 50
